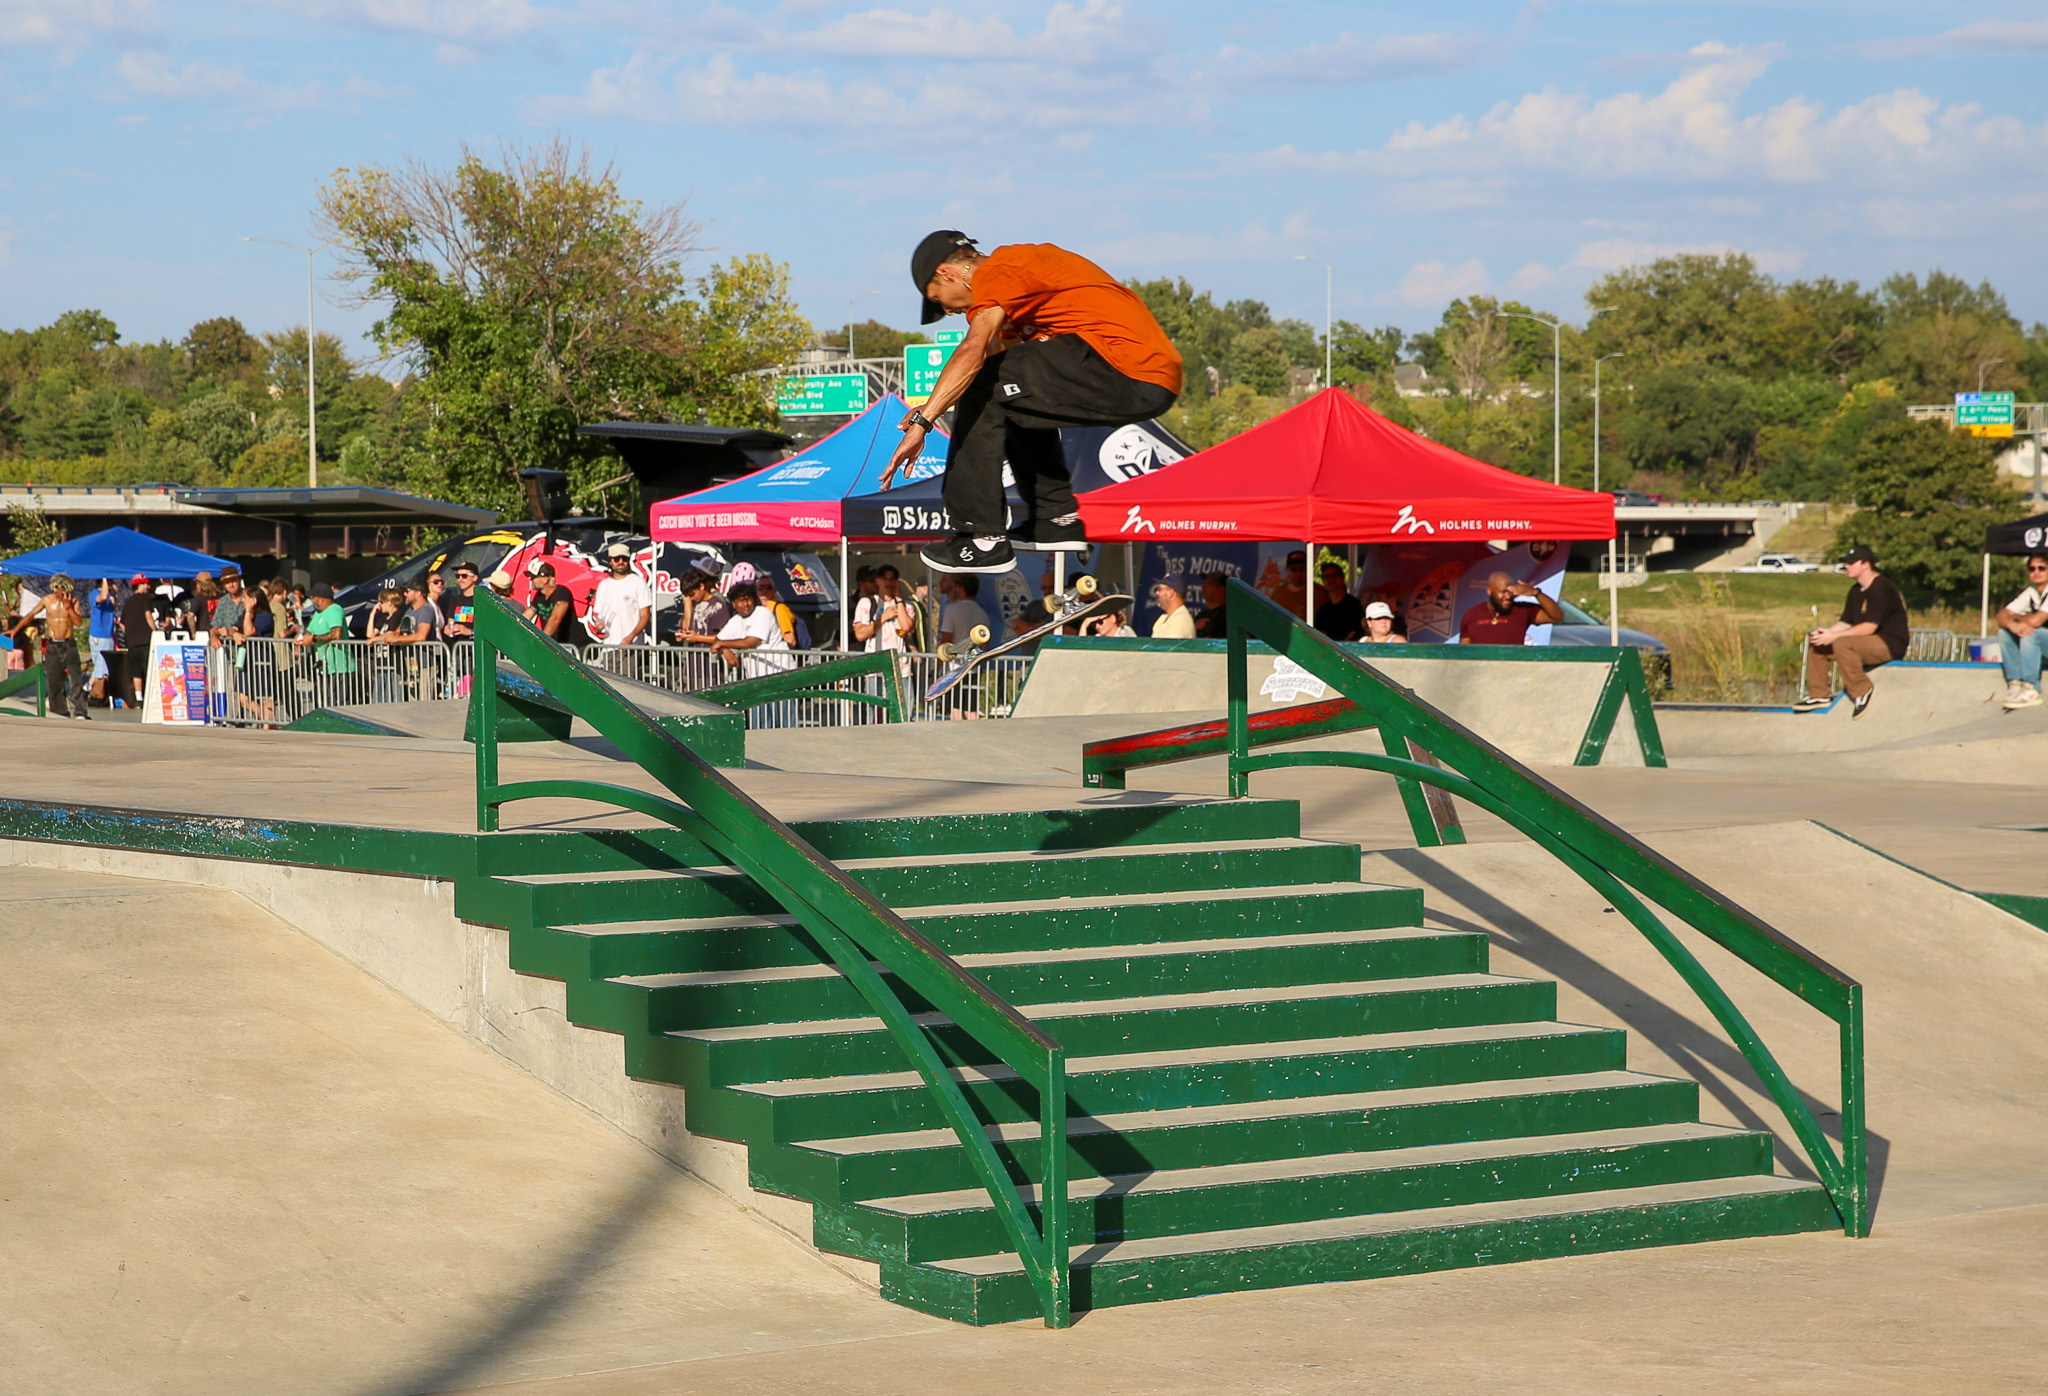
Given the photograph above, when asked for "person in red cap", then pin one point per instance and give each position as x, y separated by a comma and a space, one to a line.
142, 615
1052, 341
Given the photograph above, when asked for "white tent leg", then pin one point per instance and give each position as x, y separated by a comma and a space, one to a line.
1308, 593
845, 602
1131, 569
1613, 599
1984, 607
1059, 571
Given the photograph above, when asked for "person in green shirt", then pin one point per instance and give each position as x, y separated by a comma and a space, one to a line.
327, 634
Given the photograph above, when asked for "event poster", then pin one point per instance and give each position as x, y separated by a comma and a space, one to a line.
177, 687
1432, 585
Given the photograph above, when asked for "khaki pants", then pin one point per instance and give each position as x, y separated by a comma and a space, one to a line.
1852, 654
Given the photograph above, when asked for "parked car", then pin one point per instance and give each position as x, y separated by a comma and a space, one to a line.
1579, 628
1778, 564
1631, 498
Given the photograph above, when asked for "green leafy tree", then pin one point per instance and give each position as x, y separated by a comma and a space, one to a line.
1691, 309
1690, 419
1359, 355
1937, 333
1926, 495
1204, 420
222, 351
529, 296
1258, 361
871, 340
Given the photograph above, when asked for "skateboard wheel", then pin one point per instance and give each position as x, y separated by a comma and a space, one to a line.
979, 635
945, 653
1084, 585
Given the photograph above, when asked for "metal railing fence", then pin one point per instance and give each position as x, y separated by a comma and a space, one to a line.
261, 683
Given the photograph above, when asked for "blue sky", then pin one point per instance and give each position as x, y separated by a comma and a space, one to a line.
1424, 151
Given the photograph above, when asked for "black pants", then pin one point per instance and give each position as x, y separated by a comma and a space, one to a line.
1014, 410
60, 657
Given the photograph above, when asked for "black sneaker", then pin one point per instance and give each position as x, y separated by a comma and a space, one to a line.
1050, 536
1811, 704
1857, 705
964, 552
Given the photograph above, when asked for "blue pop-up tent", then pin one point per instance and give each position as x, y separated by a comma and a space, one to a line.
113, 552
798, 500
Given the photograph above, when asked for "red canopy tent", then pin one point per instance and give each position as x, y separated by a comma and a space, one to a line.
1334, 471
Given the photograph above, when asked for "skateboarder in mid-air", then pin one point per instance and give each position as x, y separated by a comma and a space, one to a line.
1052, 341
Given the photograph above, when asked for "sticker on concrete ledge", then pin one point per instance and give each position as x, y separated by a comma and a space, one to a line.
1289, 681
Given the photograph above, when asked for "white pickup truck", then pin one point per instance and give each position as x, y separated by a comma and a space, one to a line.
1777, 564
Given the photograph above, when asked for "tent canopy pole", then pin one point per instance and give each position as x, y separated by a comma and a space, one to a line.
1984, 611
845, 602
1613, 599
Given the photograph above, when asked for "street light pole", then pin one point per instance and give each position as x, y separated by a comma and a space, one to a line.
1988, 363
1329, 288
312, 423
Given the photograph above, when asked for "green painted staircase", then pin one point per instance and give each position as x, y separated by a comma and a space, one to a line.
1278, 1076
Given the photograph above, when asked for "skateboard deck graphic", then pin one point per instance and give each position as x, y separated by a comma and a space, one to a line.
1079, 602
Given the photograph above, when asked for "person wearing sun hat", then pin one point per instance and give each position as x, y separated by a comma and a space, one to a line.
1379, 625
62, 674
1052, 341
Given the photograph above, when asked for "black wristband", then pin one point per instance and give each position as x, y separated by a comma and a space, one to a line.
917, 418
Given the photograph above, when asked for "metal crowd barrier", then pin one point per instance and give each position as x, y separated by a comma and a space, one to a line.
270, 683
1935, 646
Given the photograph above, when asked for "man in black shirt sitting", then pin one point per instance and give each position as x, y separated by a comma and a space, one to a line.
1872, 631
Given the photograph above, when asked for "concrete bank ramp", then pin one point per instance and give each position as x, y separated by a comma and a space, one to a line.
1915, 704
1536, 712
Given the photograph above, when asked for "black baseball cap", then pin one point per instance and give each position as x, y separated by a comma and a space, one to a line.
924, 264
1860, 553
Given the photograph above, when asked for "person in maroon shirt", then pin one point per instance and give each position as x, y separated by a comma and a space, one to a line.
1499, 621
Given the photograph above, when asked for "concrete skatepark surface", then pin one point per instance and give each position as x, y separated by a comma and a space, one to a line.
239, 1163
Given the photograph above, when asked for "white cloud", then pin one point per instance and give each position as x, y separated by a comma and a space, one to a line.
1611, 254
1987, 36
1694, 130
69, 23
1087, 64
1353, 60
1432, 284
475, 21
150, 74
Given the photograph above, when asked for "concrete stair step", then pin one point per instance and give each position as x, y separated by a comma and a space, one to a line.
1269, 1192
790, 993
991, 1288
838, 1106
1160, 1022
1238, 1131
555, 898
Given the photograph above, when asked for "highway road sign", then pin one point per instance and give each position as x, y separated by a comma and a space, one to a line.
1985, 414
823, 395
922, 364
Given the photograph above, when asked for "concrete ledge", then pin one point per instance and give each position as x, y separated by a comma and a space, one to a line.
403, 931
1537, 711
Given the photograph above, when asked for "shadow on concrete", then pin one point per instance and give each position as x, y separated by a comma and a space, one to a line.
483, 1354
1716, 1063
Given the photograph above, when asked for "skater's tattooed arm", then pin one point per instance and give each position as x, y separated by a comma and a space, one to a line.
982, 333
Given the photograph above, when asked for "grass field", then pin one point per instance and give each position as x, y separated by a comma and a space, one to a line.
1738, 638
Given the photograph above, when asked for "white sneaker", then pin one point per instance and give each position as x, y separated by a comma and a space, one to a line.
2027, 697
2012, 690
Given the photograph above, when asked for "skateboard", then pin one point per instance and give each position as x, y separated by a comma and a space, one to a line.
1079, 602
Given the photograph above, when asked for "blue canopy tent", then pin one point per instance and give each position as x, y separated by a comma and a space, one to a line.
115, 552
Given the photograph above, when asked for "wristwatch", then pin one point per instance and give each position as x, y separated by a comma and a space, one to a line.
918, 419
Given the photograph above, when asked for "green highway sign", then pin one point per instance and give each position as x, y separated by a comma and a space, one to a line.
922, 364
823, 395
948, 336
1985, 414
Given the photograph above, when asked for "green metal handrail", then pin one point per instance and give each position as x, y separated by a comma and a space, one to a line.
847, 921
31, 677
1612, 861
816, 682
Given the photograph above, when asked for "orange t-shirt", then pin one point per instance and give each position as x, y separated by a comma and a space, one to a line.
1047, 290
